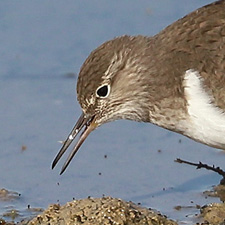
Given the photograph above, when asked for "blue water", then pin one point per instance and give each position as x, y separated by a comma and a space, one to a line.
41, 41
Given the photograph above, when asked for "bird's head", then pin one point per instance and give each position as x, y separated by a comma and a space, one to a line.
110, 87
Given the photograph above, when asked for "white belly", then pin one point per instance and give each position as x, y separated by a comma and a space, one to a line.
206, 122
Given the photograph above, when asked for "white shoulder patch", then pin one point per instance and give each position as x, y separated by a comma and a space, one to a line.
206, 121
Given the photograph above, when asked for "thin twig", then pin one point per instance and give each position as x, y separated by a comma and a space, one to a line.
201, 165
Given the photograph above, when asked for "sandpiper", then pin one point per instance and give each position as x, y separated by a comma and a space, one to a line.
175, 79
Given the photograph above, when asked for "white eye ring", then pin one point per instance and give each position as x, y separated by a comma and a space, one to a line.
103, 91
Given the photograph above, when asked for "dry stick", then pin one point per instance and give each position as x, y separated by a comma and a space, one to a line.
201, 165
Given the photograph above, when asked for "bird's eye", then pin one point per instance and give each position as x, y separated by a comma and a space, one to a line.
103, 91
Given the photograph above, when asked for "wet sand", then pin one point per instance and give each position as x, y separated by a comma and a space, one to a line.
108, 210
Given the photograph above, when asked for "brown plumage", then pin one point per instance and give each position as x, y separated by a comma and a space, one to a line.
143, 78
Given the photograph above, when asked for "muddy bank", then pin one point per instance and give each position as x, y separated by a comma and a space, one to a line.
108, 210
104, 210
213, 214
